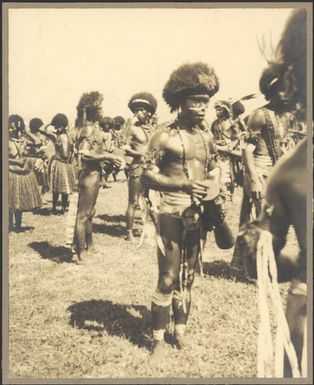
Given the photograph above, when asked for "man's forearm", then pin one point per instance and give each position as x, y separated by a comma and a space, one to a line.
161, 182
48, 135
133, 153
248, 161
17, 162
90, 157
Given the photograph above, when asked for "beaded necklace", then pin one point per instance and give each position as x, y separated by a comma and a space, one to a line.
185, 167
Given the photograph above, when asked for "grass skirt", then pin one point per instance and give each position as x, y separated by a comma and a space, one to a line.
40, 169
62, 177
24, 193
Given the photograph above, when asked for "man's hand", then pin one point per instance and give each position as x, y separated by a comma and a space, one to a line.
117, 161
197, 190
257, 187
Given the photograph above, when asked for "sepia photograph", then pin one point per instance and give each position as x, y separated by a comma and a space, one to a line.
157, 193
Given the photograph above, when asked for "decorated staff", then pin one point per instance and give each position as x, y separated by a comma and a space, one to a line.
143, 105
184, 169
24, 193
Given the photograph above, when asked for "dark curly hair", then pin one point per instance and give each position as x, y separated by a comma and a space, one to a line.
119, 120
35, 124
237, 109
144, 99
272, 79
18, 121
106, 120
60, 121
190, 79
88, 105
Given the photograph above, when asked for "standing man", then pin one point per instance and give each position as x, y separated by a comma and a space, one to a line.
286, 193
91, 153
143, 105
226, 138
117, 132
183, 170
267, 126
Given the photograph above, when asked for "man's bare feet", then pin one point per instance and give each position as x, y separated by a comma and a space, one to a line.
130, 236
179, 340
157, 357
81, 258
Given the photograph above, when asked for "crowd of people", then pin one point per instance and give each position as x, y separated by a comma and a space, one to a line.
193, 165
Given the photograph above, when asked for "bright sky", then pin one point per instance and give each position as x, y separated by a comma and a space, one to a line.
57, 54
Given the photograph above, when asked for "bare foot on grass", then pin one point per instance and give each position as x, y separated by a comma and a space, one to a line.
157, 357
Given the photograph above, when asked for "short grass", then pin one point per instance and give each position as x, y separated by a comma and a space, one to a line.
93, 321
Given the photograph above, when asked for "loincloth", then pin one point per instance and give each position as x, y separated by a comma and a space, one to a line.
135, 170
174, 203
263, 166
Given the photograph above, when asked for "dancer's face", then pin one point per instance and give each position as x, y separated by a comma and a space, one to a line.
221, 112
194, 108
13, 131
142, 115
279, 98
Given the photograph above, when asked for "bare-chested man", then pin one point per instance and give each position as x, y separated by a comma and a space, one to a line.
267, 127
183, 171
91, 152
226, 138
286, 192
143, 105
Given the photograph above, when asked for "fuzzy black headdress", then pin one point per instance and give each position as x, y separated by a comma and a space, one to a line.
188, 79
35, 124
143, 99
106, 121
60, 121
293, 47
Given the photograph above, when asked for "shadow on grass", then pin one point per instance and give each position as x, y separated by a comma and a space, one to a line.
44, 211
115, 319
112, 218
222, 269
22, 229
114, 226
57, 254
115, 230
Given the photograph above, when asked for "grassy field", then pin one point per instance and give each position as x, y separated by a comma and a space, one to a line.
93, 321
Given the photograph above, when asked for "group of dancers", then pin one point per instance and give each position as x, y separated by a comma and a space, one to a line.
192, 165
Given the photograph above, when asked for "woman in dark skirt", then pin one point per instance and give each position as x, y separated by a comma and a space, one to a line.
61, 172
24, 194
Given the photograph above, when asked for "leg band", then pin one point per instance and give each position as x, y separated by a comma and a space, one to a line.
158, 335
162, 299
179, 296
181, 305
179, 329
